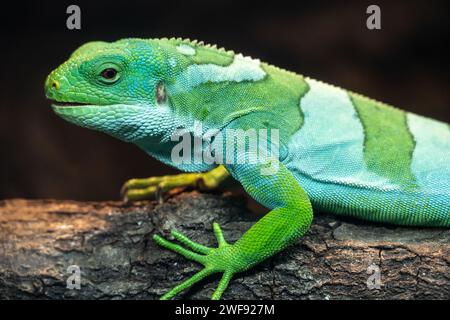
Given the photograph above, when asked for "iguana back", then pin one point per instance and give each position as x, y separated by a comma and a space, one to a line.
359, 157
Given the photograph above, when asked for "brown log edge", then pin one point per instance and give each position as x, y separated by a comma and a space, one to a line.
111, 244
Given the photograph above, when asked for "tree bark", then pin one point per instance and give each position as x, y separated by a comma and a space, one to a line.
111, 244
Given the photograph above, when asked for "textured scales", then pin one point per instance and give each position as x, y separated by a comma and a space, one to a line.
339, 151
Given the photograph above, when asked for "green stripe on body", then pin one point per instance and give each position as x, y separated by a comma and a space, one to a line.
277, 95
388, 143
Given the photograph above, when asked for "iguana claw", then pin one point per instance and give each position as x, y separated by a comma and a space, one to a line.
214, 259
158, 187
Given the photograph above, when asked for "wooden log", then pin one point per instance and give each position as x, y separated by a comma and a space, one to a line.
110, 244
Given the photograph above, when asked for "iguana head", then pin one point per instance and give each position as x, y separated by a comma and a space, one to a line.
135, 88
117, 88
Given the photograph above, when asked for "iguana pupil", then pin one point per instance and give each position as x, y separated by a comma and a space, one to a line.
109, 73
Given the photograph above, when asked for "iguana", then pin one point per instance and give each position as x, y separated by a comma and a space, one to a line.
336, 151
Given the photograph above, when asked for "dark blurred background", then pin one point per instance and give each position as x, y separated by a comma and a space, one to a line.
42, 156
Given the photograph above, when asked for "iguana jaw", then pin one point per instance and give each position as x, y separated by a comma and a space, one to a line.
60, 100
118, 120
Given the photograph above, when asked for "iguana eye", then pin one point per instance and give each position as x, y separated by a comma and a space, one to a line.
109, 74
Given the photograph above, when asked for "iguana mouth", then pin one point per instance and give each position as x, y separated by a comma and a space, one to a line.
62, 104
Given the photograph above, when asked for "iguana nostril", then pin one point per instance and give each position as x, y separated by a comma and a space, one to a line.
55, 85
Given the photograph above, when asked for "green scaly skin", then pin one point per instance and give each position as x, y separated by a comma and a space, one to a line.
339, 151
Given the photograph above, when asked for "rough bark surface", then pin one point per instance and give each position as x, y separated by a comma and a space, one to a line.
111, 243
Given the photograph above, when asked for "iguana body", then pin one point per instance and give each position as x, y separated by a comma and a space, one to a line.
338, 151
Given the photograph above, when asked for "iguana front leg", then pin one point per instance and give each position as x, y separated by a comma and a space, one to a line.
289, 219
155, 187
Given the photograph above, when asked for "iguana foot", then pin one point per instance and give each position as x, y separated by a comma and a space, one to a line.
214, 259
157, 187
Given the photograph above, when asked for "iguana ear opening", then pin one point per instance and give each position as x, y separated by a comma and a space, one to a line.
161, 95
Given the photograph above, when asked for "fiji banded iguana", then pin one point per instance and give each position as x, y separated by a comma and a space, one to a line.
336, 151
